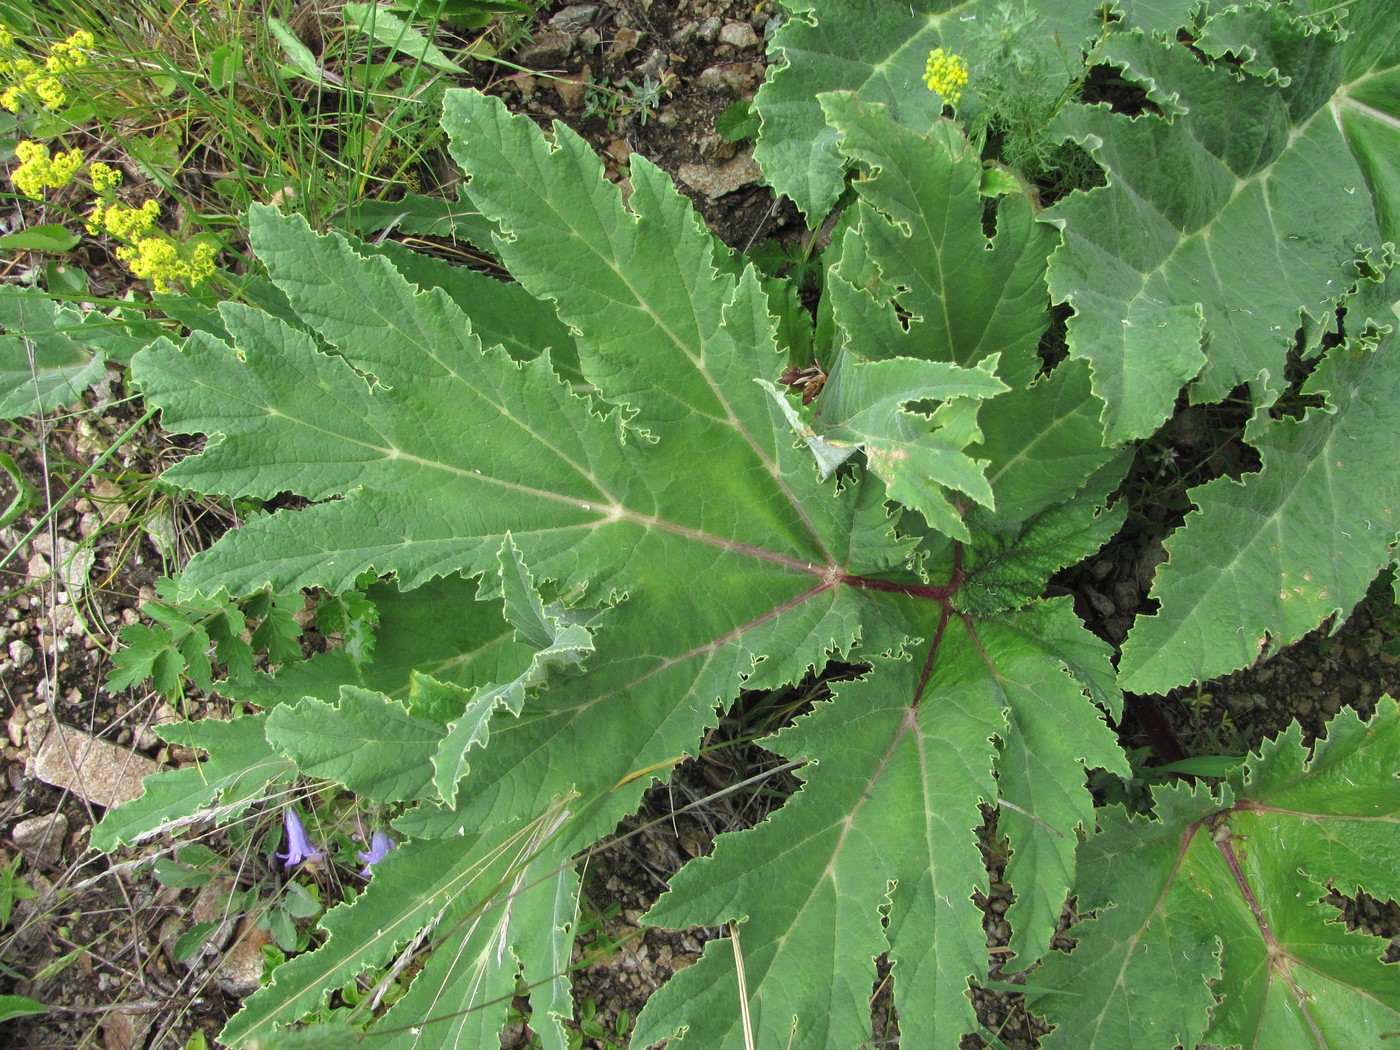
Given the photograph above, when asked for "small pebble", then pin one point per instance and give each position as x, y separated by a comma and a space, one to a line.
738, 35
21, 652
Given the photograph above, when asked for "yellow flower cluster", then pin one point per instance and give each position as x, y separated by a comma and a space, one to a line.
150, 254
946, 73
28, 79
40, 170
151, 257
122, 221
105, 178
68, 55
157, 260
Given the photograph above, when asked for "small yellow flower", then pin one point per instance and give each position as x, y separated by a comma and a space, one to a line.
29, 151
6, 40
42, 83
201, 267
946, 73
19, 73
65, 166
29, 181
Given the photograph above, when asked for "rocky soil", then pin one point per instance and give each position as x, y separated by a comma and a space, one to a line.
99, 940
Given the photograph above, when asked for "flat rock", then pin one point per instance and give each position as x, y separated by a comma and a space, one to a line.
574, 17
21, 652
41, 838
547, 49
94, 770
715, 182
572, 94
624, 42
737, 77
73, 560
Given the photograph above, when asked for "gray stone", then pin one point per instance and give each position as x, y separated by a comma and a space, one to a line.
574, 17
63, 617
624, 42
41, 838
21, 652
729, 76
14, 728
549, 48
73, 559
572, 94
739, 35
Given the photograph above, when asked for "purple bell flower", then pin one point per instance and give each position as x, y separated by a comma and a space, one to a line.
299, 847
379, 844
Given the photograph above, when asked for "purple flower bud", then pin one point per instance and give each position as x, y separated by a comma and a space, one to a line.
299, 846
379, 844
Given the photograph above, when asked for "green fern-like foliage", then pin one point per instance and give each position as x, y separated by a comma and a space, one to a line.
590, 540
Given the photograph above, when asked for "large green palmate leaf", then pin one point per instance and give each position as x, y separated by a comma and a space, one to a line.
1211, 926
877, 50
673, 515
1223, 218
1227, 220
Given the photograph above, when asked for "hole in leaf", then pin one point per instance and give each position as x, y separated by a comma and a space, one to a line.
1368, 915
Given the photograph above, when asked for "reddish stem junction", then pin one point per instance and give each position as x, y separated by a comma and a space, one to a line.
1279, 958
